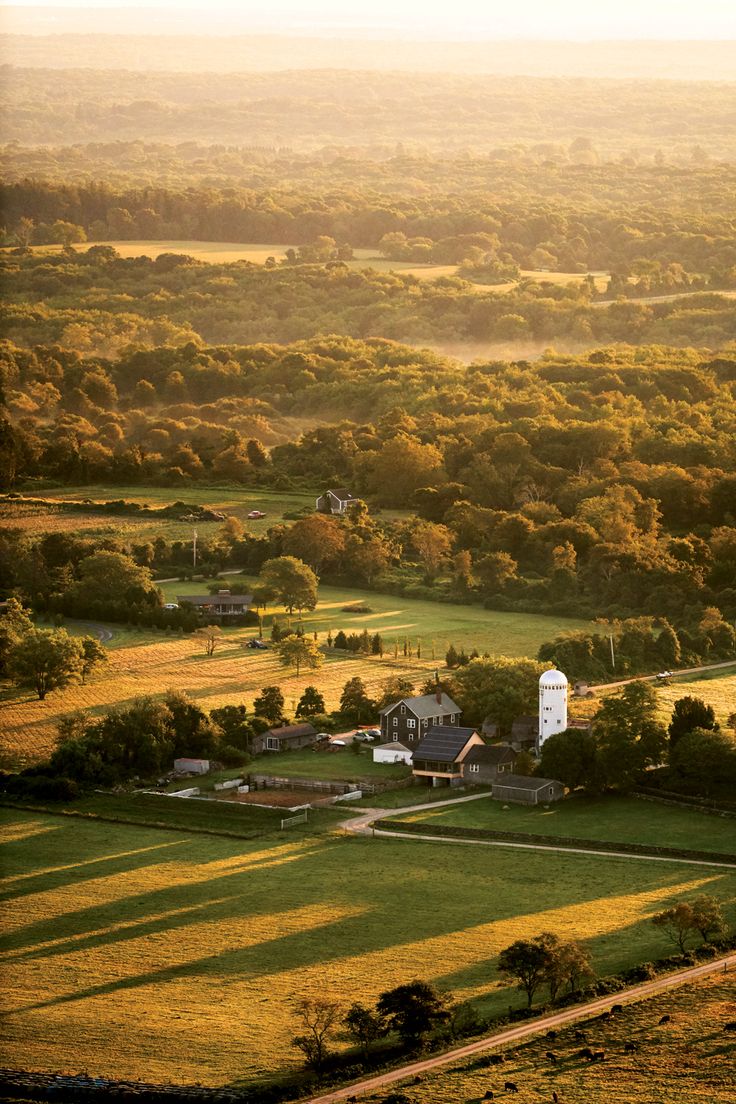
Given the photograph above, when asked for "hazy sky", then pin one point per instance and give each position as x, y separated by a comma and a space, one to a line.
456, 19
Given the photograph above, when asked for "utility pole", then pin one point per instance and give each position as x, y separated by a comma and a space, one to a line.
613, 654
194, 548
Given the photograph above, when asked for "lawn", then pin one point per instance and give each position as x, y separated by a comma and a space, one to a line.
688, 1060
612, 819
124, 944
341, 765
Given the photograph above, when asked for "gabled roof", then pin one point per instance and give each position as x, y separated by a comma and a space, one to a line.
426, 705
287, 731
443, 743
393, 746
216, 599
340, 492
490, 754
522, 782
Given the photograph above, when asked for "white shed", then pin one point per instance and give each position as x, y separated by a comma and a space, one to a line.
192, 766
392, 753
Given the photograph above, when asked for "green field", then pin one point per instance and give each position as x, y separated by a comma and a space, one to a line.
226, 817
238, 501
612, 819
414, 619
688, 1061
122, 945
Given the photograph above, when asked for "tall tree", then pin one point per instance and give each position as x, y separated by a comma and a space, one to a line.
291, 581
299, 651
46, 661
500, 688
628, 734
688, 714
269, 704
412, 1010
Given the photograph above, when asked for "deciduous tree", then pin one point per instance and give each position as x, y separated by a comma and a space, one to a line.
46, 661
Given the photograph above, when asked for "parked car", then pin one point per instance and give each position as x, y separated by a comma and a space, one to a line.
363, 737
372, 731
339, 743
664, 675
260, 644
171, 605
256, 514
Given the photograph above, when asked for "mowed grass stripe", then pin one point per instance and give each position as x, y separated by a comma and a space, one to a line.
126, 943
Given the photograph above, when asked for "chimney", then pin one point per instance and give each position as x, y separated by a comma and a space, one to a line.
438, 696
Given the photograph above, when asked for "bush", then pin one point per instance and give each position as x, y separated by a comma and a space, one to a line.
231, 756
357, 607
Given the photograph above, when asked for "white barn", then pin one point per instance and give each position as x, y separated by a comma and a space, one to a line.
392, 753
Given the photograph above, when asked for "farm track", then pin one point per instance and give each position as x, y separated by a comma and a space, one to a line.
675, 674
516, 1034
364, 825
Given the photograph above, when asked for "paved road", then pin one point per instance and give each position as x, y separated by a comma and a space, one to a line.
653, 678
523, 1031
363, 825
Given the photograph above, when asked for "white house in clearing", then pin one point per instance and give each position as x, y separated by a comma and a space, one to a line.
552, 705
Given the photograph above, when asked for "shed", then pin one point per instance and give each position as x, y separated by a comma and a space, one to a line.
394, 752
527, 791
192, 766
484, 764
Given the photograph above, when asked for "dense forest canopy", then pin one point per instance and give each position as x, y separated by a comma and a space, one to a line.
305, 111
104, 35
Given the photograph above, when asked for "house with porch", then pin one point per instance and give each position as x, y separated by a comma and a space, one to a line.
407, 721
438, 758
223, 604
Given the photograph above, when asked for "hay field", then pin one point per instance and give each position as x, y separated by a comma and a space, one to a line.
135, 952
716, 688
49, 515
688, 1061
617, 819
214, 252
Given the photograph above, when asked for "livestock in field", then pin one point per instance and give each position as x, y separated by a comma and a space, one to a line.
551, 1056
630, 1048
511, 1086
664, 1020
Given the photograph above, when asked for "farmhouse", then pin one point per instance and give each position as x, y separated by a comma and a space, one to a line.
527, 791
441, 752
487, 763
391, 753
285, 738
335, 501
408, 720
222, 604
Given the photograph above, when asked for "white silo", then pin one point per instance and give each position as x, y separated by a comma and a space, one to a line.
552, 704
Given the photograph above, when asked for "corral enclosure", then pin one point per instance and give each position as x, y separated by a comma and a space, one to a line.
215, 939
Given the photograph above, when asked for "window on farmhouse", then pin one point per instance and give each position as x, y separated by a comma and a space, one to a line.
272, 743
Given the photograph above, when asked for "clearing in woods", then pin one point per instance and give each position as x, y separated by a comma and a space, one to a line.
215, 252
122, 944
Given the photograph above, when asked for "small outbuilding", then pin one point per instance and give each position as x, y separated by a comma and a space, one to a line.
335, 501
223, 604
394, 752
484, 763
285, 738
522, 790
191, 766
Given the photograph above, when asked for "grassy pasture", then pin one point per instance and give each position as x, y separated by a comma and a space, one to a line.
690, 1060
50, 517
615, 819
146, 663
716, 688
123, 944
